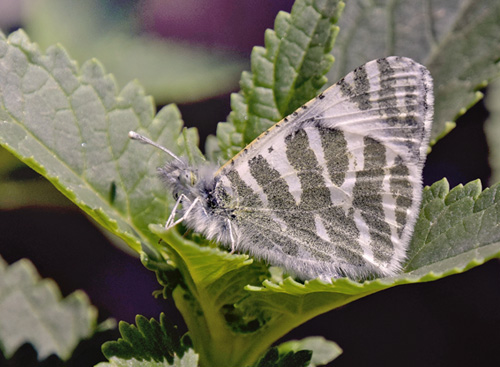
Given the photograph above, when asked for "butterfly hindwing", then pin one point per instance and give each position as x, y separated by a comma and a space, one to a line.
334, 189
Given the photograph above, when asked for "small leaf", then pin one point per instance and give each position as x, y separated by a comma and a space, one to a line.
151, 341
288, 72
458, 41
33, 311
323, 351
169, 70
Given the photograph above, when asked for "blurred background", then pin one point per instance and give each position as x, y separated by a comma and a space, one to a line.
191, 53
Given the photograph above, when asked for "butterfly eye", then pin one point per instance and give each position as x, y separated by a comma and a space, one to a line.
184, 178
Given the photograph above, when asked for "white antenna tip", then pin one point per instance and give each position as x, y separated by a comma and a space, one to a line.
133, 135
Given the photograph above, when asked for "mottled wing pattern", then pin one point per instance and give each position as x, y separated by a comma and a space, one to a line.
334, 189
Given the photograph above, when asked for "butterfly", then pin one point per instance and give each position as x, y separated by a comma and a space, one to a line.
332, 190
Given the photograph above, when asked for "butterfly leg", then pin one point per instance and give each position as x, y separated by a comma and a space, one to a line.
231, 236
174, 210
170, 225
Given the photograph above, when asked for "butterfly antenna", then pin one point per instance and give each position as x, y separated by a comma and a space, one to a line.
134, 136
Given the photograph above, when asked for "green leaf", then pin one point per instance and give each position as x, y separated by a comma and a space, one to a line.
323, 351
458, 41
213, 281
492, 129
71, 126
151, 343
456, 229
288, 72
32, 310
169, 70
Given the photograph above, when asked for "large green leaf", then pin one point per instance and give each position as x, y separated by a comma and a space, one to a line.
71, 126
286, 73
458, 41
32, 310
169, 70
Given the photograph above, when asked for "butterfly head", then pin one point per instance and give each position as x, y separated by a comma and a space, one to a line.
197, 190
180, 177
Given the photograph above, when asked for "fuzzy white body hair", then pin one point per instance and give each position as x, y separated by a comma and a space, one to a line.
206, 216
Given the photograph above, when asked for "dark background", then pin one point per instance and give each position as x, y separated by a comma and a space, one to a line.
453, 321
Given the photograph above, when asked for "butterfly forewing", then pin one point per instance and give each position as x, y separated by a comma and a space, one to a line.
335, 188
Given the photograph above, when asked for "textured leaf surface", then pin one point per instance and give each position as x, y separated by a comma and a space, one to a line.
150, 343
168, 70
458, 41
492, 129
71, 126
455, 229
32, 310
288, 72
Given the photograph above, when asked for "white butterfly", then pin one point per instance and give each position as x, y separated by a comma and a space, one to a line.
332, 190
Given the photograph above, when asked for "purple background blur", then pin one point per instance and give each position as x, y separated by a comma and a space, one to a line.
454, 321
